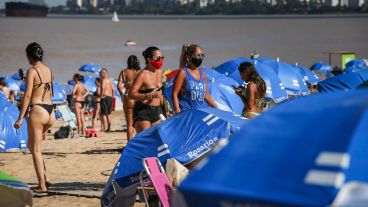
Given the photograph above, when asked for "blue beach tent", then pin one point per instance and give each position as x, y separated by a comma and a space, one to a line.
11, 139
184, 137
356, 65
90, 68
344, 82
12, 84
292, 79
275, 89
308, 75
322, 68
283, 159
220, 88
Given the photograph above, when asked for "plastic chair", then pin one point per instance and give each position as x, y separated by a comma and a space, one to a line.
160, 182
68, 117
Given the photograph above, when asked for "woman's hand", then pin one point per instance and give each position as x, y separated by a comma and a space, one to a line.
155, 94
18, 123
238, 91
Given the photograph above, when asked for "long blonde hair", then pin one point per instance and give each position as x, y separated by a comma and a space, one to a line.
186, 52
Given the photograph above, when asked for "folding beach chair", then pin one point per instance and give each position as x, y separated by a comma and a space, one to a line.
160, 182
68, 117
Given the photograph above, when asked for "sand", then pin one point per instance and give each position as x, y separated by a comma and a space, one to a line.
77, 168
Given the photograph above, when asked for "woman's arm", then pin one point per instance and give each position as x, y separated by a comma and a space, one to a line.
208, 97
178, 84
120, 83
252, 87
74, 93
26, 98
86, 92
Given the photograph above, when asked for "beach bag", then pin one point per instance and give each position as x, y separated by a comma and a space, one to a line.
175, 172
62, 133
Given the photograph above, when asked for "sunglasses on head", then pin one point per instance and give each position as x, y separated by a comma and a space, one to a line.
160, 57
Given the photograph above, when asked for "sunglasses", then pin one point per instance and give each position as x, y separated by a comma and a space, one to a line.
160, 57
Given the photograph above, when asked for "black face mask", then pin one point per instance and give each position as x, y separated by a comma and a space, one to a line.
197, 61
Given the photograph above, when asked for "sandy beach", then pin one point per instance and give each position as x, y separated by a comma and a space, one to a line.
77, 168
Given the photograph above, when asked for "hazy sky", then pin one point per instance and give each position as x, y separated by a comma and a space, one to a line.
48, 2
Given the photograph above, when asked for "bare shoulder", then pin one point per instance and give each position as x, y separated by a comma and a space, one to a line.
252, 86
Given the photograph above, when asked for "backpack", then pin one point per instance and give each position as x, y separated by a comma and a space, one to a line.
62, 133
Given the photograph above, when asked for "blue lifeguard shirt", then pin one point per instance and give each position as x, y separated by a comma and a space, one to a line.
195, 92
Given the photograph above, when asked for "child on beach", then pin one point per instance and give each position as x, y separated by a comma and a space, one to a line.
190, 85
254, 93
80, 93
147, 91
125, 80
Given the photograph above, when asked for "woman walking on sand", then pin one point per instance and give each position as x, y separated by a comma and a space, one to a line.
126, 79
37, 102
147, 91
190, 85
80, 93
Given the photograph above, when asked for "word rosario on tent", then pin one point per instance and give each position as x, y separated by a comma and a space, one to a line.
198, 91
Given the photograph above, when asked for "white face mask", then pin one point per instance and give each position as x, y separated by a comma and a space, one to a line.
245, 84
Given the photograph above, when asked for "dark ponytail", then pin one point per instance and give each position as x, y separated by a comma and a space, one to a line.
78, 77
34, 52
148, 53
133, 63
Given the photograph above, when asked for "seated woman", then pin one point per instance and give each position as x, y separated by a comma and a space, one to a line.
190, 85
253, 95
146, 90
80, 93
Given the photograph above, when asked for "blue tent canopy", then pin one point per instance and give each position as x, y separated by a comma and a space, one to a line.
308, 75
345, 82
184, 137
12, 84
292, 79
220, 88
356, 65
90, 84
275, 89
322, 68
59, 95
15, 76
282, 159
9, 138
90, 68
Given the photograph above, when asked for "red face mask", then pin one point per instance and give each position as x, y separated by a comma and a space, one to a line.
157, 63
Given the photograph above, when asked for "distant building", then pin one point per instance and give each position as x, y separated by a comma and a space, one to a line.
354, 4
37, 2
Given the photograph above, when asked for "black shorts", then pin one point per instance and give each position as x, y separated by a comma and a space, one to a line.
144, 112
106, 105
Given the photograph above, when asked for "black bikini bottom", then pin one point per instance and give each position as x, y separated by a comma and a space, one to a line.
48, 107
81, 102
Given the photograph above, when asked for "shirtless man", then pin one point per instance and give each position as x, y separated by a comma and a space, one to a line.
107, 91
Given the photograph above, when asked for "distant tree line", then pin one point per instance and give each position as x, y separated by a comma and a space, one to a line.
170, 7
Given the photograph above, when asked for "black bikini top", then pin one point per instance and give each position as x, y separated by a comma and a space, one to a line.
148, 90
48, 86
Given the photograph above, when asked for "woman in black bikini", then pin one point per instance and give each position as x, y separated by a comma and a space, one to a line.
126, 79
37, 102
97, 100
147, 91
79, 95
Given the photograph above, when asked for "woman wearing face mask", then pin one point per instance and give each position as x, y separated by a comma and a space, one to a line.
146, 90
190, 85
